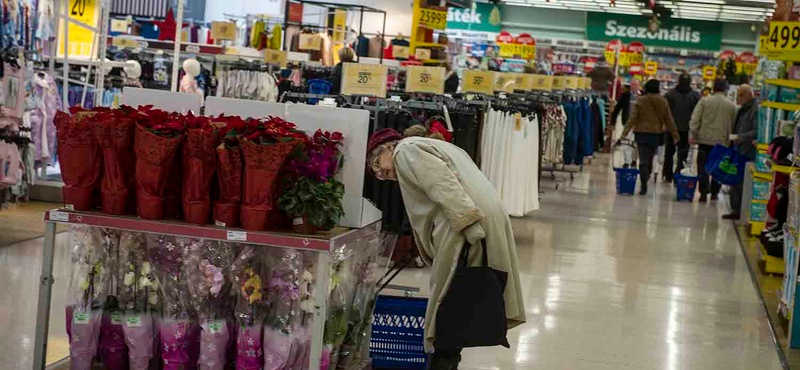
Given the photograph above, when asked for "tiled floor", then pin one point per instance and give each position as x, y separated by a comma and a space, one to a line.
611, 282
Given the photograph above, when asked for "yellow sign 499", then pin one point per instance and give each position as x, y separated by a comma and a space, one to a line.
783, 36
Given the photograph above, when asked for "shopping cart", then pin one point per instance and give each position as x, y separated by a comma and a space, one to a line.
626, 177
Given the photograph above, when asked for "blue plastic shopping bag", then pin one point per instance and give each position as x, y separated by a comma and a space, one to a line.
726, 165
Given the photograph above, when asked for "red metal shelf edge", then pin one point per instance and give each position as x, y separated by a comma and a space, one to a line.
210, 232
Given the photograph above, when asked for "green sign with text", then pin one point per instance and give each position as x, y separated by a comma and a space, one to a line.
672, 32
484, 17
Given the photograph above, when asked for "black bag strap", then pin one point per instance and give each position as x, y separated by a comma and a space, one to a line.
464, 258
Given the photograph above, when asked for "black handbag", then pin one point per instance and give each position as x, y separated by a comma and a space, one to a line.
473, 311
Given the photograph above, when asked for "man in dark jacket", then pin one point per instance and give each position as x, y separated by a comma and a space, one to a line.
744, 133
682, 100
626, 102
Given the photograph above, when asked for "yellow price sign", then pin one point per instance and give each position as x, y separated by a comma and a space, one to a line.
475, 81
433, 18
559, 82
422, 54
80, 39
587, 82
709, 73
517, 51
222, 30
425, 79
763, 44
400, 52
364, 79
581, 83
339, 25
124, 42
118, 25
522, 81
504, 82
275, 57
651, 68
783, 36
542, 82
310, 42
570, 82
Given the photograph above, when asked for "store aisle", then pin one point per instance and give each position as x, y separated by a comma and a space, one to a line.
621, 282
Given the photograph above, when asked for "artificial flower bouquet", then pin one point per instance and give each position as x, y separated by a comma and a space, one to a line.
83, 314
207, 266
313, 197
158, 137
265, 146
80, 158
247, 276
113, 351
283, 289
139, 299
337, 323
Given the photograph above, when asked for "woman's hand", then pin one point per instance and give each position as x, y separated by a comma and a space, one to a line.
474, 233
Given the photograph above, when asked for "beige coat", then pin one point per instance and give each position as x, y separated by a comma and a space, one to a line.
712, 120
445, 192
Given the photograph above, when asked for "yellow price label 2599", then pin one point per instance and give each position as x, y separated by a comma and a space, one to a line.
433, 18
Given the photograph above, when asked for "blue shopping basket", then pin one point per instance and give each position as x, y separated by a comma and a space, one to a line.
398, 333
685, 186
626, 177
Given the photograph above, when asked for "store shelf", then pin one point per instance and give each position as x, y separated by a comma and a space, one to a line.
328, 241
784, 106
433, 61
762, 175
784, 169
420, 44
795, 84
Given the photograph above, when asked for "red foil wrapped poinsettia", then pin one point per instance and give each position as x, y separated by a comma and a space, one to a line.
265, 147
230, 172
158, 137
199, 161
80, 158
113, 133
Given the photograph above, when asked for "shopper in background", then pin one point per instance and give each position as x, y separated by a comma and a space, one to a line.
744, 133
682, 100
449, 203
451, 80
346, 55
651, 118
602, 76
711, 124
626, 101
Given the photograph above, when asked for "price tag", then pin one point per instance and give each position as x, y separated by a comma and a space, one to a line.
518, 122
504, 82
763, 44
425, 79
80, 318
400, 52
709, 72
275, 57
364, 79
433, 18
215, 327
133, 321
59, 216
119, 26
517, 51
570, 82
116, 319
223, 30
239, 236
124, 42
478, 81
558, 82
651, 68
581, 83
542, 83
310, 42
587, 83
522, 81
422, 54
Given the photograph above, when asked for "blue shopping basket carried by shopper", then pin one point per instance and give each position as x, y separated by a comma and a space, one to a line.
398, 333
726, 165
626, 177
685, 187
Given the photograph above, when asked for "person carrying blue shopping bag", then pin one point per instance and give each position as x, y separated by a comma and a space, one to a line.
743, 137
711, 124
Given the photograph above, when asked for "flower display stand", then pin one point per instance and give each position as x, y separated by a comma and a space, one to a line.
323, 245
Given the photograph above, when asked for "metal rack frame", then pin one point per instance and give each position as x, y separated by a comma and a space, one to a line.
322, 245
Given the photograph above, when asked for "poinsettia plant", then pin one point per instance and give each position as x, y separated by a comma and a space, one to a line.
313, 190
